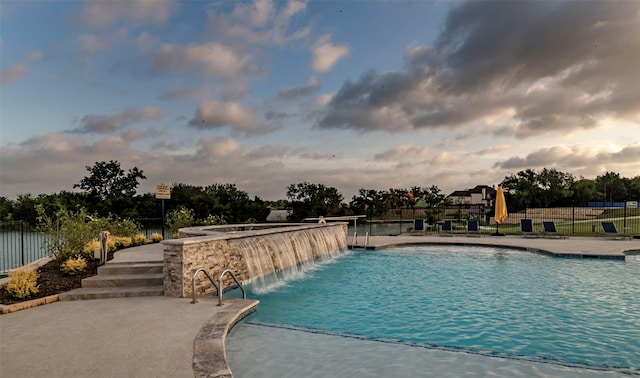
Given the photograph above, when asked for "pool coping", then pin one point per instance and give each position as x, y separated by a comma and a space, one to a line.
209, 349
586, 247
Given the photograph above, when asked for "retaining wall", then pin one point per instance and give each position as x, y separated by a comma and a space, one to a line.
213, 249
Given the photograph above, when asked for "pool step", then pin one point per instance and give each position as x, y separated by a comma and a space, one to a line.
118, 280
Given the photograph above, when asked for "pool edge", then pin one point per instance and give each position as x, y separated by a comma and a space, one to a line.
209, 350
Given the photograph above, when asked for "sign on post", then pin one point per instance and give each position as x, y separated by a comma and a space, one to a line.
163, 191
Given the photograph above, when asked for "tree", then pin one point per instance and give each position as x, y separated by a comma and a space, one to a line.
371, 202
634, 188
613, 187
109, 181
24, 209
546, 188
312, 200
221, 200
584, 191
6, 209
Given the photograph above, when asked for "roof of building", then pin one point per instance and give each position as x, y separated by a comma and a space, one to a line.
477, 189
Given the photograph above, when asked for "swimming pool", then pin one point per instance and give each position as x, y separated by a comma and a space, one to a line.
479, 301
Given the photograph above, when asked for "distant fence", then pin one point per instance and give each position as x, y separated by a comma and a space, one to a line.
21, 244
578, 221
150, 226
583, 221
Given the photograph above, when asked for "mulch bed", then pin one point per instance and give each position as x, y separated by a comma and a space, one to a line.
51, 280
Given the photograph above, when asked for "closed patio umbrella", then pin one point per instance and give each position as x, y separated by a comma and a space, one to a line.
501, 210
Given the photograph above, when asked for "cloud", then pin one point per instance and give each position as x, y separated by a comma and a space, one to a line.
561, 67
326, 54
34, 55
275, 115
13, 74
173, 94
212, 114
267, 152
217, 148
574, 158
405, 152
105, 124
90, 43
294, 93
101, 14
258, 22
210, 59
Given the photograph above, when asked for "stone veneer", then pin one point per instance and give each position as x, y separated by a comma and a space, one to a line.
212, 249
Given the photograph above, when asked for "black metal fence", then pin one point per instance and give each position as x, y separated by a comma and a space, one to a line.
150, 226
20, 244
576, 221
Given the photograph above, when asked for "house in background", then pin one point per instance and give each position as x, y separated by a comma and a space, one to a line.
480, 195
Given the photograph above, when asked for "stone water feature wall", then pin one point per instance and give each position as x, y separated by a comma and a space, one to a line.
216, 248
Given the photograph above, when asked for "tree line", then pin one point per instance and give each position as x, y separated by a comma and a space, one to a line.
552, 188
109, 190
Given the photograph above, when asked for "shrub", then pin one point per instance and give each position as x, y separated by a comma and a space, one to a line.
65, 233
111, 244
90, 247
74, 266
212, 220
121, 241
156, 237
22, 283
139, 239
179, 218
125, 227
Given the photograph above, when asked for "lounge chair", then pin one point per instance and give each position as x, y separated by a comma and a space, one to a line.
446, 228
549, 228
526, 228
609, 229
473, 228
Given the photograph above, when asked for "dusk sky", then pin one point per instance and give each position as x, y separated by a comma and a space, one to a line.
349, 94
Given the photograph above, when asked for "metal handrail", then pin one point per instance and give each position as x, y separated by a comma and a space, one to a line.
366, 240
354, 240
193, 284
244, 293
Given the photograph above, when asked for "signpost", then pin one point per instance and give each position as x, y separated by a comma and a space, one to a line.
163, 192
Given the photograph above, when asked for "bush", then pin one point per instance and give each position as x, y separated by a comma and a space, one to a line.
139, 239
156, 237
90, 247
211, 220
179, 218
74, 266
120, 242
66, 233
125, 227
22, 283
111, 244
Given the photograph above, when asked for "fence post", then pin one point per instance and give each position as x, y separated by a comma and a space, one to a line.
22, 243
624, 223
573, 219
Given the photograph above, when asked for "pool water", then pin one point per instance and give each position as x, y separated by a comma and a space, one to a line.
581, 313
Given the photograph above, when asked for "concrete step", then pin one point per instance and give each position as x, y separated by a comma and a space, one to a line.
130, 268
124, 280
111, 292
